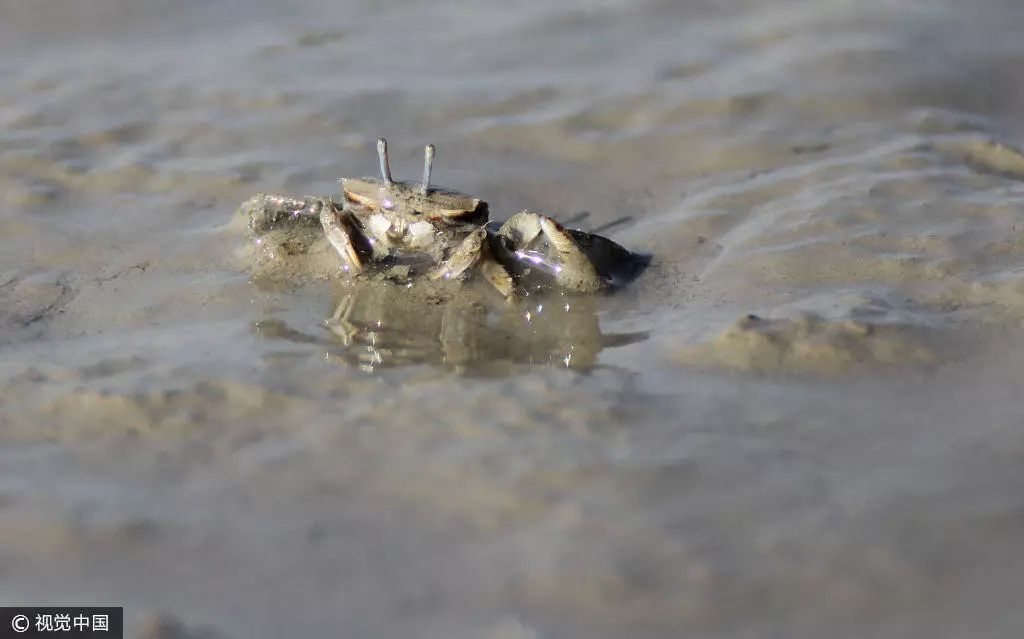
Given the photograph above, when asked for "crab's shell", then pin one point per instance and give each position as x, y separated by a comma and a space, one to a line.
438, 204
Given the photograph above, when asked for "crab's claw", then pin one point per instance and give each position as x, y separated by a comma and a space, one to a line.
574, 271
538, 242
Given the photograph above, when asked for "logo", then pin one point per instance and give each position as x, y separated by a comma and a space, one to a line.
20, 623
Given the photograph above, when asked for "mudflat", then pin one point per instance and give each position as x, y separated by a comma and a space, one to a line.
804, 417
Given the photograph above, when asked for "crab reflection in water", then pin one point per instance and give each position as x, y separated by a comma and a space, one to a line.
376, 327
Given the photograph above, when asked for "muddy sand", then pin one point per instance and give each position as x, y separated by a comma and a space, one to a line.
803, 418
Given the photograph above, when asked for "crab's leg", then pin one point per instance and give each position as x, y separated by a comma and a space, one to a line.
498, 277
464, 257
339, 227
572, 269
473, 251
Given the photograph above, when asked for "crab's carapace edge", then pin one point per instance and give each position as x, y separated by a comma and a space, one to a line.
437, 204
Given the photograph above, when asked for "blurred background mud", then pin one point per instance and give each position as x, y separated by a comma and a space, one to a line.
804, 417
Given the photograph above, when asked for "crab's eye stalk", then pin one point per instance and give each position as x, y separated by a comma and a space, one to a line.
385, 166
428, 164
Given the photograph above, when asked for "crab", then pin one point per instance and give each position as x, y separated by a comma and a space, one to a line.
384, 219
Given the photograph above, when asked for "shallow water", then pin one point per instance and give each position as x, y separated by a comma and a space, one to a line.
183, 434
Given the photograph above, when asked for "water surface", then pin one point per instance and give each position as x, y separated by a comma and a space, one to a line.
183, 434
